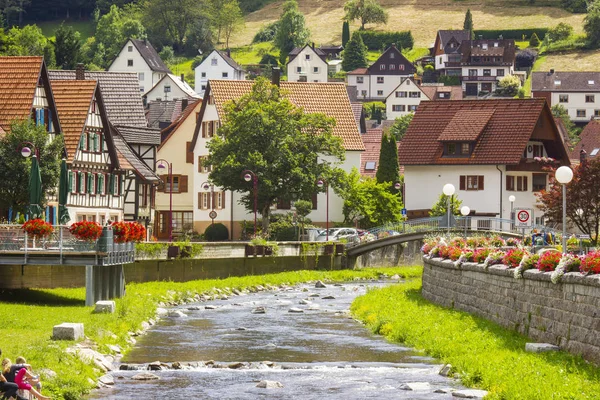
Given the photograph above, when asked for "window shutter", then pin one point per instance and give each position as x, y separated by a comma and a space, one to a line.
524, 183
519, 183
90, 183
462, 185
82, 182
121, 184
199, 200
70, 181
96, 141
314, 201
101, 184
200, 159
510, 182
183, 184
213, 198
81, 142
204, 124
50, 127
222, 199
189, 155
111, 184
480, 183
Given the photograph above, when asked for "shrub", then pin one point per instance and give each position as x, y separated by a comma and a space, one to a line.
266, 33
525, 58
548, 261
591, 263
534, 41
513, 257
269, 59
517, 34
449, 80
480, 255
574, 6
560, 32
216, 233
378, 40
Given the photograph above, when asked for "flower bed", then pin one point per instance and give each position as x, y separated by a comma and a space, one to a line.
491, 251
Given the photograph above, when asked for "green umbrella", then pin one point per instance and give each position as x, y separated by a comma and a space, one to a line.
63, 192
35, 190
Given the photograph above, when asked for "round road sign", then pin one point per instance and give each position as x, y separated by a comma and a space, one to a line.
212, 214
523, 216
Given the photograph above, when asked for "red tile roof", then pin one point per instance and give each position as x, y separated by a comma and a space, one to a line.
431, 92
466, 125
589, 140
73, 99
501, 141
359, 71
18, 79
372, 142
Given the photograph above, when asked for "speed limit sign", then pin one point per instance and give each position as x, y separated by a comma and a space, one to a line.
523, 217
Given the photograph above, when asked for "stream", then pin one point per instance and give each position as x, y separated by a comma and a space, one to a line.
305, 340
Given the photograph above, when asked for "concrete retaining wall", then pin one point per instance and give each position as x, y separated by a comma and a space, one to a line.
566, 314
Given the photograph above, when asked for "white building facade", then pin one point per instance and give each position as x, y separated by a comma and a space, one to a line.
218, 65
307, 65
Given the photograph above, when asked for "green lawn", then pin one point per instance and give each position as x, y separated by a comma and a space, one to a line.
85, 28
29, 315
251, 54
483, 353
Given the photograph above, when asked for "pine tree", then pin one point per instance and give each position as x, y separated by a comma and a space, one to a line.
355, 54
534, 41
345, 33
468, 24
388, 169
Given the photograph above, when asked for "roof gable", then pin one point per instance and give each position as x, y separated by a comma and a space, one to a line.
589, 141
129, 160
169, 131
175, 80
392, 56
316, 51
224, 56
501, 141
19, 77
330, 99
503, 48
149, 54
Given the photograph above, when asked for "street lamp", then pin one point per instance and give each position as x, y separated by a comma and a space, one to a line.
320, 184
564, 175
206, 186
26, 150
512, 199
251, 176
448, 191
465, 210
162, 165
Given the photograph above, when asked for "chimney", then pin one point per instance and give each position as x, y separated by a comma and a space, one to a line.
80, 72
184, 104
228, 52
582, 157
551, 71
313, 45
182, 78
276, 76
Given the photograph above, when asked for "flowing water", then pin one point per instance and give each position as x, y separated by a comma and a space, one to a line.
320, 353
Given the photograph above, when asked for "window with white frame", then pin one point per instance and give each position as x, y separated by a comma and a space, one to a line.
382, 67
203, 74
398, 107
225, 74
401, 94
129, 49
316, 70
214, 61
589, 98
141, 76
580, 113
412, 107
360, 79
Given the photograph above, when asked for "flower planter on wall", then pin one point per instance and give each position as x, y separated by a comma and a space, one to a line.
249, 250
260, 250
328, 249
339, 249
173, 252
268, 251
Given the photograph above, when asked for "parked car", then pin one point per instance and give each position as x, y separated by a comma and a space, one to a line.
336, 234
311, 234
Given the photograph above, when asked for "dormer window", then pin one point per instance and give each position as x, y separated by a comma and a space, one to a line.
590, 82
457, 149
495, 44
484, 46
557, 82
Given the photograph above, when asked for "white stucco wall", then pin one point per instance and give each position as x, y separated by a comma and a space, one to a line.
307, 67
120, 64
158, 91
406, 86
214, 71
577, 102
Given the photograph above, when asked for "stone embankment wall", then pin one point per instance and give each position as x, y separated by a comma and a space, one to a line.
408, 253
566, 314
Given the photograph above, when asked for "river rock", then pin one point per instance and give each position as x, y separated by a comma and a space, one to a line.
236, 292
194, 308
114, 348
444, 390
177, 314
416, 386
470, 394
269, 385
155, 366
259, 310
314, 295
161, 311
145, 376
328, 298
237, 365
314, 307
241, 328
320, 285
540, 347
268, 363
305, 302
210, 307
445, 370
47, 373
67, 331
145, 325
176, 365
296, 310
395, 277
107, 380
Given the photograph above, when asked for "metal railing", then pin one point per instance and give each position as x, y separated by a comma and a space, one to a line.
14, 238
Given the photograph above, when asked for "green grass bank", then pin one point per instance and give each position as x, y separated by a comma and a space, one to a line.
29, 315
482, 353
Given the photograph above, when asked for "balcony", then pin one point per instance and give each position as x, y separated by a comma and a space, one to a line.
452, 64
479, 78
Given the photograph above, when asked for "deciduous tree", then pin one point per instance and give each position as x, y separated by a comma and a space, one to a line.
30, 41
355, 54
367, 11
171, 20
440, 208
398, 129
292, 31
15, 169
591, 25
561, 112
266, 133
232, 20
582, 194
67, 47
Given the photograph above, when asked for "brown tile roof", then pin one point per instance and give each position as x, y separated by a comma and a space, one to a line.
372, 142
506, 49
457, 35
565, 81
466, 125
128, 160
431, 92
139, 135
171, 129
121, 94
18, 79
330, 99
589, 140
359, 71
73, 99
501, 141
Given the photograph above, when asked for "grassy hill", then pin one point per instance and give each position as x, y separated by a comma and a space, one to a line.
422, 17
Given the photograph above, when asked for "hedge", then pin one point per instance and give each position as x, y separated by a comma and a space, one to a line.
516, 34
379, 40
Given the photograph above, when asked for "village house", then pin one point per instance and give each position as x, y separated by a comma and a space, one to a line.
307, 64
175, 142
161, 114
330, 99
377, 81
125, 112
217, 65
467, 143
589, 143
26, 93
369, 159
484, 63
405, 98
577, 92
446, 51
171, 87
138, 56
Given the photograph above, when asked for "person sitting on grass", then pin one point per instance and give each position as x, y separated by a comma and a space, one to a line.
8, 390
36, 383
19, 374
